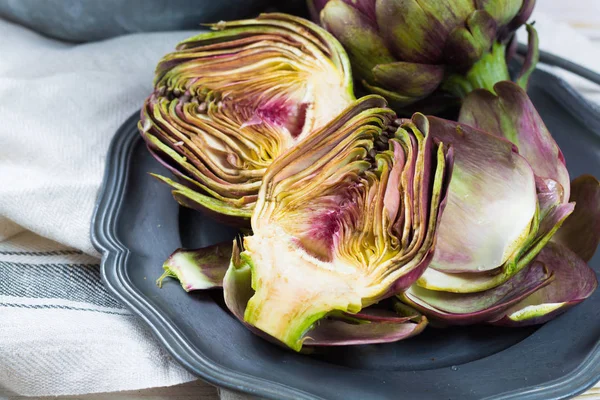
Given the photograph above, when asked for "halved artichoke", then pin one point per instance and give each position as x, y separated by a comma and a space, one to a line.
340, 225
501, 267
343, 220
226, 103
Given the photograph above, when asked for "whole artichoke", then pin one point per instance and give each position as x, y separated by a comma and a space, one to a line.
226, 103
407, 50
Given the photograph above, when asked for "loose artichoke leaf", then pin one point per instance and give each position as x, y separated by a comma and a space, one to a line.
531, 313
469, 308
574, 282
581, 231
206, 202
329, 332
198, 269
510, 114
491, 201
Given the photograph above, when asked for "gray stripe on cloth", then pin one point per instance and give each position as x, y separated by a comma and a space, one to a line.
60, 307
75, 282
40, 253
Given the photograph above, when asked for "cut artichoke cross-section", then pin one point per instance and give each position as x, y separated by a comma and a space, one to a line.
228, 102
340, 225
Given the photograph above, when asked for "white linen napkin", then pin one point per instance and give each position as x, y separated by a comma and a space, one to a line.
61, 332
60, 104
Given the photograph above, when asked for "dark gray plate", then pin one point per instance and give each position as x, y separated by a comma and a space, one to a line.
137, 225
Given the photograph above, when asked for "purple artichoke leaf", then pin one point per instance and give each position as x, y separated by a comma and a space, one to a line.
573, 282
330, 332
581, 231
511, 114
491, 200
388, 311
470, 308
540, 232
492, 246
198, 269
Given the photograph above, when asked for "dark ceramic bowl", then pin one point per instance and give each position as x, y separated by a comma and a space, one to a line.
137, 225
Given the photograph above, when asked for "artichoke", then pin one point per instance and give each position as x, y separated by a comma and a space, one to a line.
226, 103
339, 224
407, 50
344, 219
520, 256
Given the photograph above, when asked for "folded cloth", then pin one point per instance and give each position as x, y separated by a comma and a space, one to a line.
60, 104
61, 332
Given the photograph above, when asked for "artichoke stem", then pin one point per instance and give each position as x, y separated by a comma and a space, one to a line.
484, 74
284, 320
285, 304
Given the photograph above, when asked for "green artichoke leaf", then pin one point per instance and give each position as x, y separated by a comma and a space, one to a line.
503, 11
467, 44
198, 269
417, 31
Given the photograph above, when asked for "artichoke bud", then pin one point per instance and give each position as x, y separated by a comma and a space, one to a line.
338, 226
408, 51
228, 102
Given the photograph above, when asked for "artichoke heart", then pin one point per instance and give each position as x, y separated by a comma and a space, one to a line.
226, 103
344, 219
